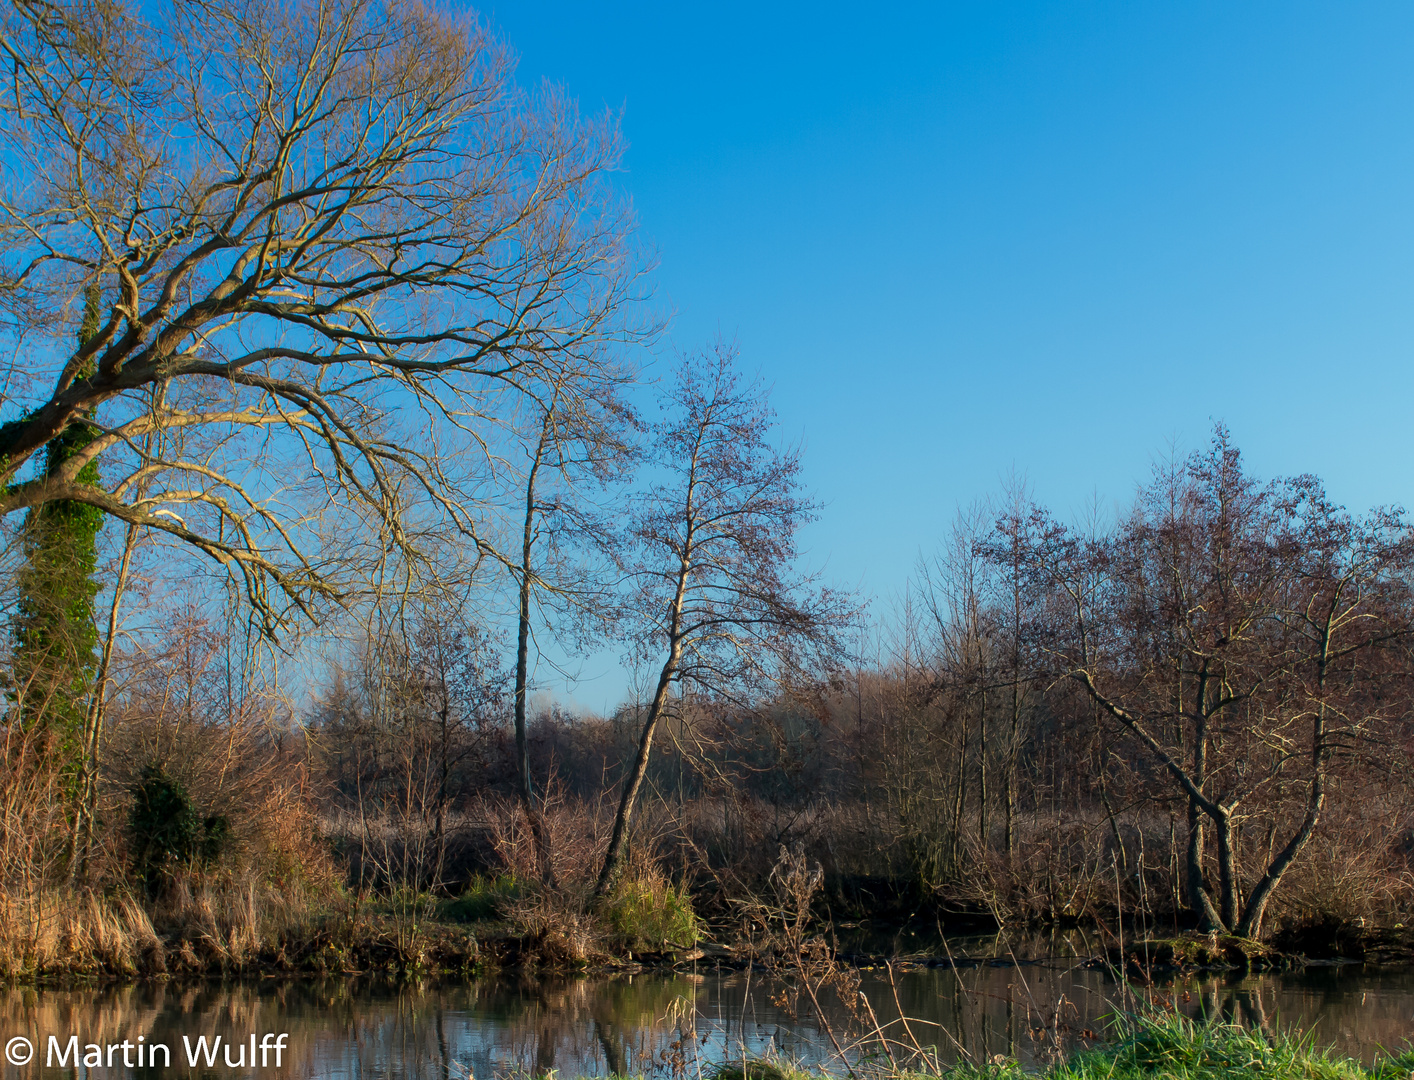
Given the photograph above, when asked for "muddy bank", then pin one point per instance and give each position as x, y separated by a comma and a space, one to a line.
383, 946
1148, 958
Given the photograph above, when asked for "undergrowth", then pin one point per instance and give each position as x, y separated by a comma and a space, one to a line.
485, 898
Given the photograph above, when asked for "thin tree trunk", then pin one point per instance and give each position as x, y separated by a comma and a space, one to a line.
960, 797
525, 786
982, 757
1110, 810
614, 855
82, 844
443, 783
1013, 738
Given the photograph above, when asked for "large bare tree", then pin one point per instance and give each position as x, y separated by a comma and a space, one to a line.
329, 239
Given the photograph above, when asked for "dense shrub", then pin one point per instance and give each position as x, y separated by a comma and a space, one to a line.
649, 913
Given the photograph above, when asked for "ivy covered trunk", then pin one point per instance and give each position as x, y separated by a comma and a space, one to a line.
54, 631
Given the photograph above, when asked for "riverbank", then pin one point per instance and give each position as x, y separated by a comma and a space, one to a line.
232, 929
377, 942
1149, 958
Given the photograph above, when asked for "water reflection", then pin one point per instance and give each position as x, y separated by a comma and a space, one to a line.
661, 1024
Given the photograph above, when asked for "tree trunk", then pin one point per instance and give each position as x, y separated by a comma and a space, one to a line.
1009, 781
959, 798
444, 716
1255, 909
982, 756
525, 788
1198, 898
1014, 736
93, 733
614, 855
1227, 865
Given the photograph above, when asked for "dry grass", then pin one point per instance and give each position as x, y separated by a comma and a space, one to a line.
58, 931
61, 916
647, 911
228, 923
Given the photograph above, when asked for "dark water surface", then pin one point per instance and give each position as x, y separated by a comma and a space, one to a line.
660, 1024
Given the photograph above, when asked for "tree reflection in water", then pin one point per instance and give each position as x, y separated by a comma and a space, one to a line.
676, 1023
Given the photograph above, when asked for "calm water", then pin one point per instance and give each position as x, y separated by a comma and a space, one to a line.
659, 1024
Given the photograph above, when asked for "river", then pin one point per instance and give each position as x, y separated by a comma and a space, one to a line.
653, 1023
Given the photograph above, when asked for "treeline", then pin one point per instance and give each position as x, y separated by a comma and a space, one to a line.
1197, 712
1198, 715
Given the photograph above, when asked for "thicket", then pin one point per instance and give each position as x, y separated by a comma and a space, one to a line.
1208, 703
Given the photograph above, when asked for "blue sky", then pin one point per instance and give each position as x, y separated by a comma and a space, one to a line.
960, 239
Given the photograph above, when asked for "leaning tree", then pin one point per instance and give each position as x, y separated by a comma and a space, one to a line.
720, 606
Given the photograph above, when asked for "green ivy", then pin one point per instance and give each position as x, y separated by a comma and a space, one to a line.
54, 630
165, 828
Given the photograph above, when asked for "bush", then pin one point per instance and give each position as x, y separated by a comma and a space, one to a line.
164, 828
650, 913
485, 898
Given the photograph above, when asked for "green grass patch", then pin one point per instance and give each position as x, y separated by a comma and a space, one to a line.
1171, 1047
652, 914
757, 1069
1157, 1047
484, 899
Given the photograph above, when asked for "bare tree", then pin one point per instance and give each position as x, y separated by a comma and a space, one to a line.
954, 589
1015, 597
715, 584
456, 695
329, 240
1236, 633
578, 447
